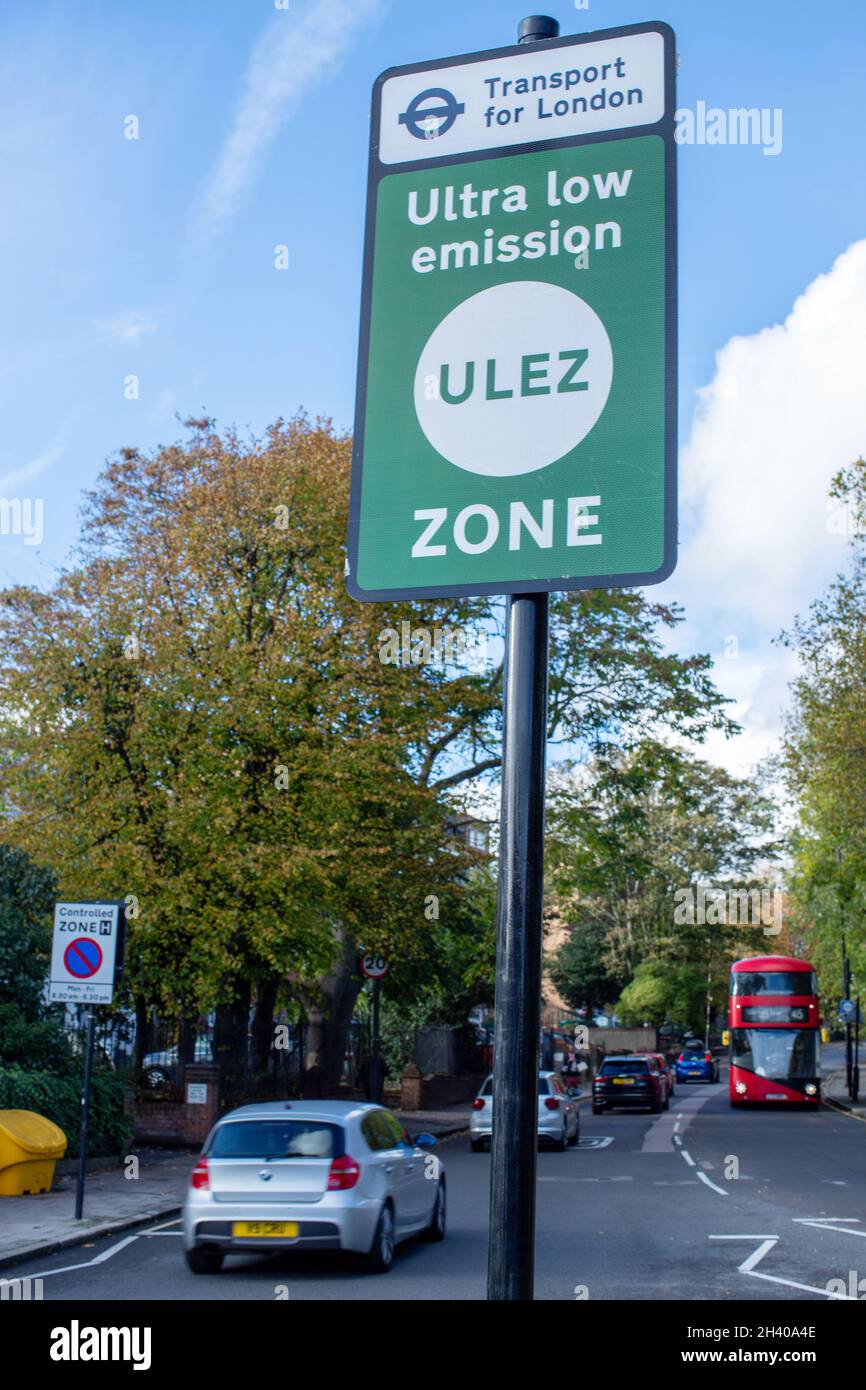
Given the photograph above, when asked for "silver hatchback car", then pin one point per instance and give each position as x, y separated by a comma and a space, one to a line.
311, 1175
558, 1114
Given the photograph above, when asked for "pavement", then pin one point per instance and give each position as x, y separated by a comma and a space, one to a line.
834, 1090
113, 1201
45, 1222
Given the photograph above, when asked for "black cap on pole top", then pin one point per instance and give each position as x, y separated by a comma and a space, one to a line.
537, 26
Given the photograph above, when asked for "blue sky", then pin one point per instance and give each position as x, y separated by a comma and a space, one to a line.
154, 256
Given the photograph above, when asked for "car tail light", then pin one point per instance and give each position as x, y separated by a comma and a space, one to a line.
552, 1102
343, 1174
708, 1056
478, 1104
199, 1178
682, 1057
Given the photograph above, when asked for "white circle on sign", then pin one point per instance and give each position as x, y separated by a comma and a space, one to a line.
373, 966
513, 378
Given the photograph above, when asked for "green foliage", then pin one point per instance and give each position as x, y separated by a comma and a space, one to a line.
197, 714
33, 1043
27, 895
628, 832
658, 993
823, 758
579, 972
58, 1098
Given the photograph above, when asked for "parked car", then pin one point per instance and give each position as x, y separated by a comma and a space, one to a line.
311, 1175
558, 1115
696, 1063
665, 1069
634, 1079
161, 1068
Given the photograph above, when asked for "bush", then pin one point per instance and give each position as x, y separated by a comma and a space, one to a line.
39, 1045
58, 1098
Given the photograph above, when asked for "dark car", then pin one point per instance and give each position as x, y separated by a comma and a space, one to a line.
665, 1069
629, 1080
696, 1063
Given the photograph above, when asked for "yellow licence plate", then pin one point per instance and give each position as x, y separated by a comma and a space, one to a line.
621, 1080
265, 1228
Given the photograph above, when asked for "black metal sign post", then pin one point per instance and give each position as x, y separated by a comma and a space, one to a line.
376, 1068
514, 1144
85, 1114
511, 1257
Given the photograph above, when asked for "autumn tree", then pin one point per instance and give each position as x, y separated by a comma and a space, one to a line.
630, 831
198, 716
824, 747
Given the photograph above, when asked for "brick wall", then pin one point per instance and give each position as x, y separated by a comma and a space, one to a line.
180, 1122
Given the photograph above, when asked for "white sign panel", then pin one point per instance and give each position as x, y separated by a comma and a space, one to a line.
84, 953
196, 1093
539, 94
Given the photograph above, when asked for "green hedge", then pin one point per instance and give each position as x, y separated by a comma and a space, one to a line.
58, 1098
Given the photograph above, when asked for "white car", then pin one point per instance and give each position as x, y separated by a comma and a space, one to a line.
311, 1175
558, 1114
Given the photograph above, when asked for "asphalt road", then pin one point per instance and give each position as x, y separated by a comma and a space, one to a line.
703, 1202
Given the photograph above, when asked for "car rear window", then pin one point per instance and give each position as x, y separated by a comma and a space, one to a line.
695, 1054
277, 1139
487, 1088
628, 1067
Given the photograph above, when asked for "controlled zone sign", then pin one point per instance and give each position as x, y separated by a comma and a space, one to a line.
516, 411
87, 952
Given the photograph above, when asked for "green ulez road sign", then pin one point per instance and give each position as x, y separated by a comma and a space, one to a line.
516, 413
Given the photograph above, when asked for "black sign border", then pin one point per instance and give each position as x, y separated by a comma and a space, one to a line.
377, 171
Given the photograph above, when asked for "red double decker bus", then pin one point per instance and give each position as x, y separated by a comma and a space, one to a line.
775, 1031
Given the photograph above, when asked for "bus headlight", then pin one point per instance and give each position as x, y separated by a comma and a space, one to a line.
740, 1088
811, 1089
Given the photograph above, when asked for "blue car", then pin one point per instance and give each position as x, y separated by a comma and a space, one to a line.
695, 1063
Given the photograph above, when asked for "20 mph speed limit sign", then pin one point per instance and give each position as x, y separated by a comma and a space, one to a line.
373, 966
515, 424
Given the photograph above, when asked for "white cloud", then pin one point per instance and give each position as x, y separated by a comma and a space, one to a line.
128, 326
291, 57
46, 459
785, 409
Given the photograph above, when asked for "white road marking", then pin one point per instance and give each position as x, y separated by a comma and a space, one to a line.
97, 1259
825, 1223
767, 1244
687, 1156
163, 1226
595, 1141
703, 1177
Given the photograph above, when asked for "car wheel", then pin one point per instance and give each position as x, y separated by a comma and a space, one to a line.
598, 1110
436, 1229
380, 1256
561, 1144
476, 1145
204, 1261
667, 1102
656, 1107
575, 1138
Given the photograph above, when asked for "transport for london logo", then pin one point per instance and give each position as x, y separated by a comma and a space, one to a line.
431, 113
